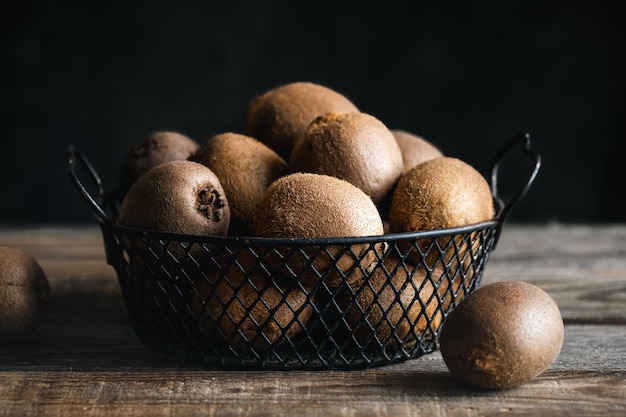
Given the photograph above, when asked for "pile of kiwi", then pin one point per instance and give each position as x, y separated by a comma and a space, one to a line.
309, 165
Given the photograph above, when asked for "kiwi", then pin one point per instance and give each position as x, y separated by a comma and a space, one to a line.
178, 197
24, 294
441, 193
241, 307
392, 307
280, 115
157, 148
502, 335
356, 147
415, 149
305, 205
245, 168
182, 197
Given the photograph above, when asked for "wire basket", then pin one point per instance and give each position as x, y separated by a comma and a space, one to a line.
259, 303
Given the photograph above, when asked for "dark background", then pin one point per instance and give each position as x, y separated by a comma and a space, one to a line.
465, 75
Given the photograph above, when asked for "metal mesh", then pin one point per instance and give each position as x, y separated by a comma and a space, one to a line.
296, 304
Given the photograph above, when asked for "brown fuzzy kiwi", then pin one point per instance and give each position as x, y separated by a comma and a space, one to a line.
305, 205
181, 197
392, 307
502, 335
355, 147
440, 193
24, 294
415, 149
279, 116
241, 307
245, 168
159, 147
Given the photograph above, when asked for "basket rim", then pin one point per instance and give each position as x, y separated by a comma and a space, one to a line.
320, 241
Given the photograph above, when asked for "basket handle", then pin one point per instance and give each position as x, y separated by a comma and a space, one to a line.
522, 139
75, 160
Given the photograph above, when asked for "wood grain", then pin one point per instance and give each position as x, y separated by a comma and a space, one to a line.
85, 360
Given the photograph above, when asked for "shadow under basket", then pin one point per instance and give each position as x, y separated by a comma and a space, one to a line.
257, 303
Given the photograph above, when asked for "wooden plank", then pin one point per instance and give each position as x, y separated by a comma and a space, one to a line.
582, 267
594, 386
86, 359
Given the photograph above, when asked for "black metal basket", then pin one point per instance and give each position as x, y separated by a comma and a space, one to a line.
258, 303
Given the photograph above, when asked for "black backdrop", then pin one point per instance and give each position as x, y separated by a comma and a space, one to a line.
465, 75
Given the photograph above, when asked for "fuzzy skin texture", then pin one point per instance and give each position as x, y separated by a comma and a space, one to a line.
180, 197
156, 149
415, 149
440, 193
355, 147
502, 335
304, 205
245, 167
24, 294
279, 116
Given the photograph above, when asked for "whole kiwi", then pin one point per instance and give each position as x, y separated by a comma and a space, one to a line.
280, 115
356, 147
392, 307
441, 193
502, 335
305, 205
415, 149
24, 294
245, 168
157, 148
182, 197
241, 307
179, 197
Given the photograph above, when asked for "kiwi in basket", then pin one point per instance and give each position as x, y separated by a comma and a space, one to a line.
24, 294
157, 148
280, 115
356, 147
392, 307
305, 205
181, 197
241, 307
245, 168
178, 197
415, 149
441, 193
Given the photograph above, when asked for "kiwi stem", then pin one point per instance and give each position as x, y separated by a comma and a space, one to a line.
210, 203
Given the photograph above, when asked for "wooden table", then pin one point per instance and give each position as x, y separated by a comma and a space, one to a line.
85, 359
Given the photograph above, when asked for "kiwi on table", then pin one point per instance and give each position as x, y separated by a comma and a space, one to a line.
280, 115
502, 335
241, 307
415, 149
245, 167
391, 308
305, 205
182, 197
356, 147
441, 193
157, 148
24, 294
